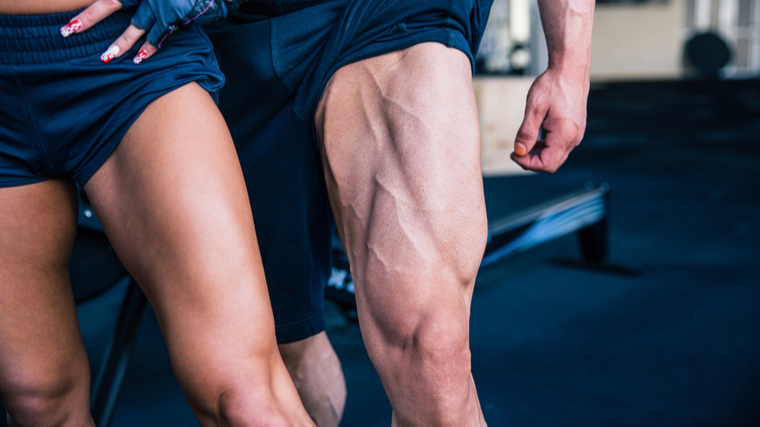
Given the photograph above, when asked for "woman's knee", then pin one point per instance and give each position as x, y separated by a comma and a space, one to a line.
251, 391
245, 407
49, 399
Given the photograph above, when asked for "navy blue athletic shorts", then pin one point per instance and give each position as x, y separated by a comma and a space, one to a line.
277, 56
63, 111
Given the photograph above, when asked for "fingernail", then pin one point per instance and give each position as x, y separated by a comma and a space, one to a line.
520, 148
140, 56
110, 54
71, 28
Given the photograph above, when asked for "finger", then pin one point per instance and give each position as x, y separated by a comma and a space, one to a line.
531, 160
558, 146
543, 158
146, 51
95, 13
527, 134
146, 19
125, 42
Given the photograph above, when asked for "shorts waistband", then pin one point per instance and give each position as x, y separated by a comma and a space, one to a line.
273, 8
33, 39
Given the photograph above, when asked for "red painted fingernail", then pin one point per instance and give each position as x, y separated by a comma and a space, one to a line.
140, 56
71, 28
110, 54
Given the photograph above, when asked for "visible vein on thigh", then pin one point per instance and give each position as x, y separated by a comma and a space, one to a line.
399, 234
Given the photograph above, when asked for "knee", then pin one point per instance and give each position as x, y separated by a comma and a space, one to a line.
431, 349
440, 344
258, 399
48, 401
246, 408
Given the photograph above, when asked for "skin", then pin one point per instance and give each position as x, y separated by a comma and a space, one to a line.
318, 377
101, 9
33, 7
172, 200
312, 363
44, 373
557, 98
402, 166
188, 239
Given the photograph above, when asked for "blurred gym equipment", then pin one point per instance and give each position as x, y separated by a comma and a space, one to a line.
708, 53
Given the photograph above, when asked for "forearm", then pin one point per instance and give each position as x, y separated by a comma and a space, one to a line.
567, 25
41, 7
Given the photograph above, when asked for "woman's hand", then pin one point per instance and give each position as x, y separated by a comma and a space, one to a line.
156, 18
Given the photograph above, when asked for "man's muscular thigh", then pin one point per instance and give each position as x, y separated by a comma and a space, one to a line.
400, 143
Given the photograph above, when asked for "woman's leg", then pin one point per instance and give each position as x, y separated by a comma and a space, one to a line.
44, 373
173, 203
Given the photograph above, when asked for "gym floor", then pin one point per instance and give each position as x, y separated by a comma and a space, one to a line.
666, 334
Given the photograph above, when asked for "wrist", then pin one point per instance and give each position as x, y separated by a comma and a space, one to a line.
570, 75
575, 70
570, 57
567, 25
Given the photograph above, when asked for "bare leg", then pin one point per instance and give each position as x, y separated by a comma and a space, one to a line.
400, 144
172, 201
318, 376
44, 372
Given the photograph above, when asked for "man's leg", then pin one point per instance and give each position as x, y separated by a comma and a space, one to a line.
318, 376
401, 150
173, 203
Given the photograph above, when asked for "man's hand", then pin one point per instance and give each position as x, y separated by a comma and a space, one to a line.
557, 99
156, 18
557, 104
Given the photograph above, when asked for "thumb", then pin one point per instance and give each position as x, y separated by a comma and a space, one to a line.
529, 130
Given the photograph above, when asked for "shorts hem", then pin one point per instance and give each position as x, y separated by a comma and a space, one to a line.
18, 182
87, 173
449, 38
83, 176
300, 331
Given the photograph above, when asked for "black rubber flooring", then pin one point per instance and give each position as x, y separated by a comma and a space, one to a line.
666, 334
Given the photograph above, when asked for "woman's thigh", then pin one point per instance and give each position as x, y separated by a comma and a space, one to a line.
173, 203
44, 373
